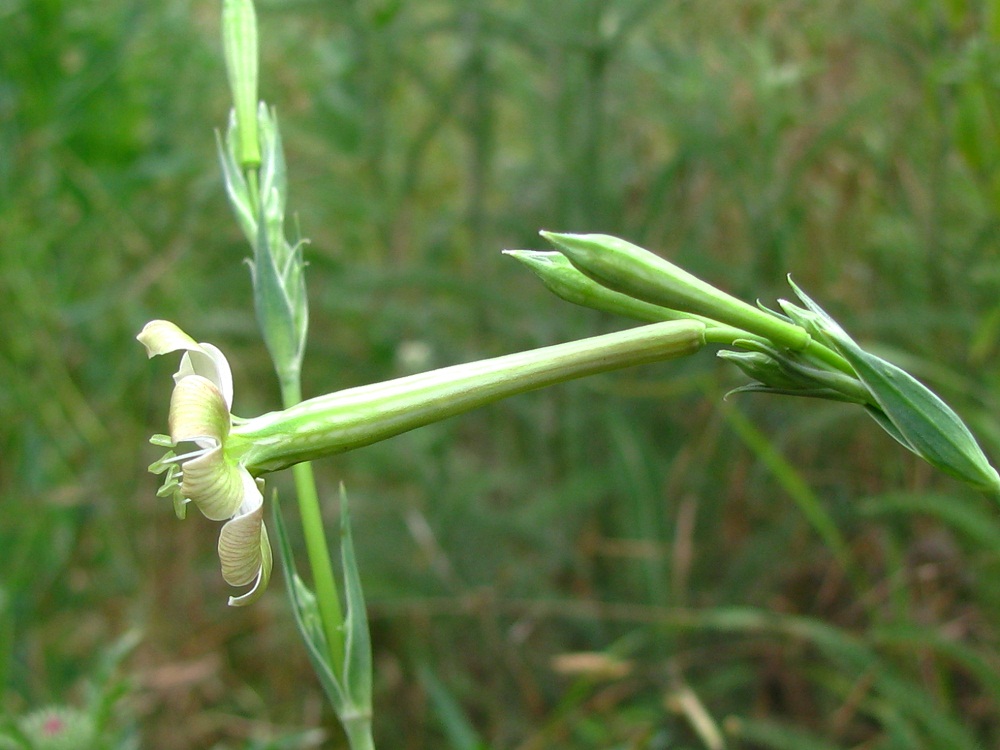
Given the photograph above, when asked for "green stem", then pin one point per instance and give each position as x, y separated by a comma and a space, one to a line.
317, 550
359, 733
253, 188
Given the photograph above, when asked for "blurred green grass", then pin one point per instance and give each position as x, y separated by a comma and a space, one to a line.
852, 144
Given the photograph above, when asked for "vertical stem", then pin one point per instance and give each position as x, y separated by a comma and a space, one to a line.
317, 550
359, 734
253, 187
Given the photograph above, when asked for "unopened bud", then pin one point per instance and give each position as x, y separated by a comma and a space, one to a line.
239, 40
631, 270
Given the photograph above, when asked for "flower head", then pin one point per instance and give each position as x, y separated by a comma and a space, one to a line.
217, 483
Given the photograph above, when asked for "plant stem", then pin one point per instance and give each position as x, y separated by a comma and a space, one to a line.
253, 187
359, 733
324, 582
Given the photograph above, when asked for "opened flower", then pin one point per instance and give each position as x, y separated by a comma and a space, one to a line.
218, 485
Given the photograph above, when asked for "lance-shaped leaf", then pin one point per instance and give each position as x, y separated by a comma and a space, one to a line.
278, 268
242, 201
349, 692
357, 640
919, 419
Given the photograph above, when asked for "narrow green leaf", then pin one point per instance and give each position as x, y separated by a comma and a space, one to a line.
792, 482
306, 615
242, 203
358, 648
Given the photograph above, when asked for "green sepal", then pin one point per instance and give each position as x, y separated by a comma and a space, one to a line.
244, 204
922, 421
826, 394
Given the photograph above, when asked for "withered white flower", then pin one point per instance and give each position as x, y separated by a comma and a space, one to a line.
221, 488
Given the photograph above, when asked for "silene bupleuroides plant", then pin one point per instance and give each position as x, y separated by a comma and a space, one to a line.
217, 461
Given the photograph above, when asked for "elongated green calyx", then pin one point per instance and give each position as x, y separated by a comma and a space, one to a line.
360, 416
631, 270
239, 40
906, 409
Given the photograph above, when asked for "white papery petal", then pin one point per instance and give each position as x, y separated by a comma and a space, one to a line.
244, 549
215, 485
198, 413
162, 337
209, 362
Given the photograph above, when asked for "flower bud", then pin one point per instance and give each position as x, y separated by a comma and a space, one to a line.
783, 373
627, 268
239, 40
567, 282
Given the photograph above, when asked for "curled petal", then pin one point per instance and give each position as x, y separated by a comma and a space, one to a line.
198, 413
244, 549
215, 485
163, 337
209, 362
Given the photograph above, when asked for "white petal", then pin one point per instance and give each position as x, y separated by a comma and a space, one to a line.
162, 336
198, 413
244, 549
215, 485
209, 362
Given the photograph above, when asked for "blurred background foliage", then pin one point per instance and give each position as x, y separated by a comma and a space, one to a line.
620, 562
